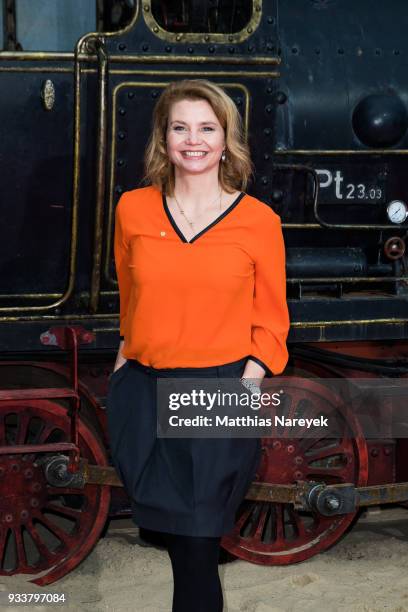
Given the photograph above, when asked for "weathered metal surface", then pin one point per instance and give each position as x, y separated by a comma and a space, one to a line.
101, 475
26, 394
37, 448
295, 494
71, 518
384, 494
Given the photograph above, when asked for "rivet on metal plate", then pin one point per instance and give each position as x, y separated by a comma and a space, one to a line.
48, 94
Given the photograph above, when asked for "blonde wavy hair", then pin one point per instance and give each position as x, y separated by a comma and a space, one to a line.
234, 173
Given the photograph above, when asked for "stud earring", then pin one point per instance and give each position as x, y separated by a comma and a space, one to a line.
223, 156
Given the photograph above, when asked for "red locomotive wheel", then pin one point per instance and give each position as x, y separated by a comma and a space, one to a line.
43, 529
278, 534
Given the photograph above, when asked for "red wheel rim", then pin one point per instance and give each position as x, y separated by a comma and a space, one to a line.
46, 530
278, 534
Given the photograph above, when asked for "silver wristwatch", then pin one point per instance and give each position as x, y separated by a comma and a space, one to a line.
251, 386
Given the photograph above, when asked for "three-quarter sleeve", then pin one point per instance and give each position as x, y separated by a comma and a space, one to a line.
270, 317
121, 253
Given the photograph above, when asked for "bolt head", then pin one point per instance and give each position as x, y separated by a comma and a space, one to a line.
332, 502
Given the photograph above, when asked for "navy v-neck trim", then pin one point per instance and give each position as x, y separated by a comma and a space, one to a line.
217, 220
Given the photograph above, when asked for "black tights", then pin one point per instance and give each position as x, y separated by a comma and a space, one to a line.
197, 586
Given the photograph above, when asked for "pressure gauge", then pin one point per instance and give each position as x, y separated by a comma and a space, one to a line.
397, 211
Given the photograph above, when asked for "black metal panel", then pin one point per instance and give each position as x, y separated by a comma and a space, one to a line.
36, 179
335, 53
342, 61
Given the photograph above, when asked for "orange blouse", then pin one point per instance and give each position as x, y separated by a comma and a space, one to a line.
210, 301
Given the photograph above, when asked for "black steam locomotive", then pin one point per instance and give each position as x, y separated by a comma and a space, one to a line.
322, 91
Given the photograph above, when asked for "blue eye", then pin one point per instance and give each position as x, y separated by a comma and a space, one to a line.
178, 128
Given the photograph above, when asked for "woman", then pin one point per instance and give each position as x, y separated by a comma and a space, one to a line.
201, 273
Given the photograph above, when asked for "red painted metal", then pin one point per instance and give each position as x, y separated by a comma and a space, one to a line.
92, 384
67, 338
48, 393
44, 529
277, 534
382, 461
23, 449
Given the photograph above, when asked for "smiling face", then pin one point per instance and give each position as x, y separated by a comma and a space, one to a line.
195, 137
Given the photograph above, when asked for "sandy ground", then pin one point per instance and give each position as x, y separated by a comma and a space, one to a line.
367, 571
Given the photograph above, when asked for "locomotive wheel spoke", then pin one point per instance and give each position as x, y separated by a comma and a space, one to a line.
323, 451
307, 443
57, 531
265, 510
40, 544
41, 437
280, 531
325, 471
71, 512
64, 490
3, 540
295, 431
2, 431
45, 432
20, 550
297, 522
22, 428
292, 409
244, 516
311, 414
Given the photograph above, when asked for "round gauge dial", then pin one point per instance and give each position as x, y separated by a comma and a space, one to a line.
397, 211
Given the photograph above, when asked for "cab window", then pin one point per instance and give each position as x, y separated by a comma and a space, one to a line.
195, 16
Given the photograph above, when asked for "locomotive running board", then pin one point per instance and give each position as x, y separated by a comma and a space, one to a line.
303, 495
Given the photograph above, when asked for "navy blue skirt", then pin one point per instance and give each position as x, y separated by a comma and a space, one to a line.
185, 486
